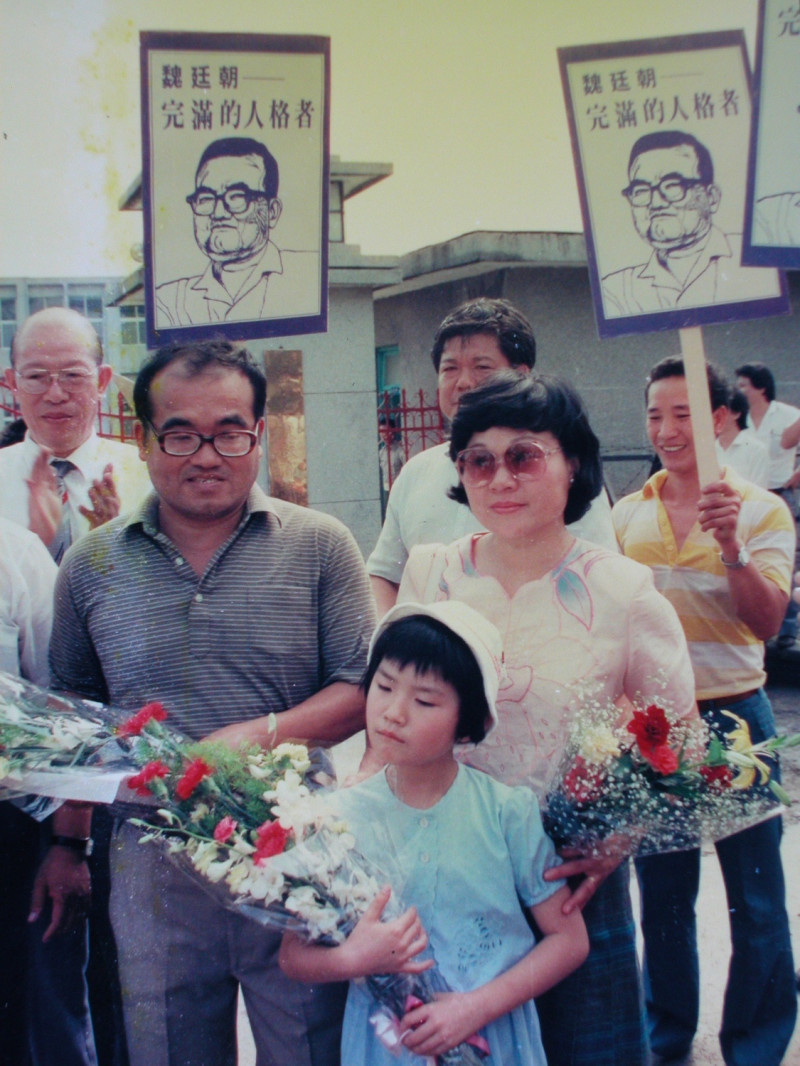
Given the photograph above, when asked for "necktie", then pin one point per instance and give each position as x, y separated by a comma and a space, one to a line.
63, 535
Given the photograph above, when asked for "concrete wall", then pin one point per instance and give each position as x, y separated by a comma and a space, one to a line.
609, 374
340, 415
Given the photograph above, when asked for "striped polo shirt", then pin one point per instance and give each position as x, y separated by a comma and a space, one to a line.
727, 658
282, 609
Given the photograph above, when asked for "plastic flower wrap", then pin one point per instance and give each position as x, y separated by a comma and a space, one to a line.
660, 785
257, 828
266, 839
56, 747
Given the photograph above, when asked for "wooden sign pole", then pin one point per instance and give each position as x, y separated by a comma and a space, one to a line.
694, 362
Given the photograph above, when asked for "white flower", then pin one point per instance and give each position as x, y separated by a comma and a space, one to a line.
294, 807
238, 844
353, 890
258, 769
169, 817
66, 734
238, 873
599, 744
198, 813
205, 854
300, 899
264, 883
297, 753
288, 785
217, 870
319, 918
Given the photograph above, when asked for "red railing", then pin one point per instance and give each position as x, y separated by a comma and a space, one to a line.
117, 424
405, 427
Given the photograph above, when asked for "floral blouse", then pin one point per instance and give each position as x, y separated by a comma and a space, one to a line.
592, 630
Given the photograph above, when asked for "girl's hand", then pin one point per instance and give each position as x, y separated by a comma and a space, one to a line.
434, 1028
386, 947
595, 868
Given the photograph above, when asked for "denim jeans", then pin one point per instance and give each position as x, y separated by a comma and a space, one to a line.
760, 999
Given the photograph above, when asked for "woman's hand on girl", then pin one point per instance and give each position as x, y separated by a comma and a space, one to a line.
595, 868
375, 946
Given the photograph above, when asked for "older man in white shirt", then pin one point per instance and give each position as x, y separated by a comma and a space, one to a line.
62, 479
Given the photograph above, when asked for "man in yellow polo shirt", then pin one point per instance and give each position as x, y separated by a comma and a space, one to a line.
722, 554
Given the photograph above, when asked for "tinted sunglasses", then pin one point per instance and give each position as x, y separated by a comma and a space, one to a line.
525, 461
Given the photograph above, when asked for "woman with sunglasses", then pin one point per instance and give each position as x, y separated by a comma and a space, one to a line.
579, 625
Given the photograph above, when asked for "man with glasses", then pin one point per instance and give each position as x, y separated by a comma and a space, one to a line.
475, 340
235, 207
249, 619
63, 480
673, 199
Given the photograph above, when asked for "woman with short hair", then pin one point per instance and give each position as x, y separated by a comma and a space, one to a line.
580, 625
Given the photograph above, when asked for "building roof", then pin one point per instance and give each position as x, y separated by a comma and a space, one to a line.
355, 178
484, 251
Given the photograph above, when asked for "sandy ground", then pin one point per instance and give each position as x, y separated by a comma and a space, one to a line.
713, 929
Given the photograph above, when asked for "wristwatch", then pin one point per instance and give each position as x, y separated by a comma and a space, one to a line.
740, 562
84, 845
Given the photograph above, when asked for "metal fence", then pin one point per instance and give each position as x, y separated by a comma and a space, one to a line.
410, 425
407, 424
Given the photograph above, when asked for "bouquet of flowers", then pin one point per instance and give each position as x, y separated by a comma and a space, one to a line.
654, 781
267, 840
258, 828
56, 747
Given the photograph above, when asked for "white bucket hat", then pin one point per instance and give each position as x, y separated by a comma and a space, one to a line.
477, 632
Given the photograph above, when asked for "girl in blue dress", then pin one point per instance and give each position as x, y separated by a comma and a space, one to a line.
470, 849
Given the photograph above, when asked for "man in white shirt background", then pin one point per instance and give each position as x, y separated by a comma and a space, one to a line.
777, 426
738, 446
476, 339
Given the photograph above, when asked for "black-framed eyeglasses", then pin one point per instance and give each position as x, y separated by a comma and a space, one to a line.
72, 379
235, 199
672, 188
229, 443
525, 461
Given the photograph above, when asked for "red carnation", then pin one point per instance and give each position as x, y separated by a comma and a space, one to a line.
134, 725
717, 777
224, 829
271, 839
663, 759
192, 776
582, 781
651, 729
148, 773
